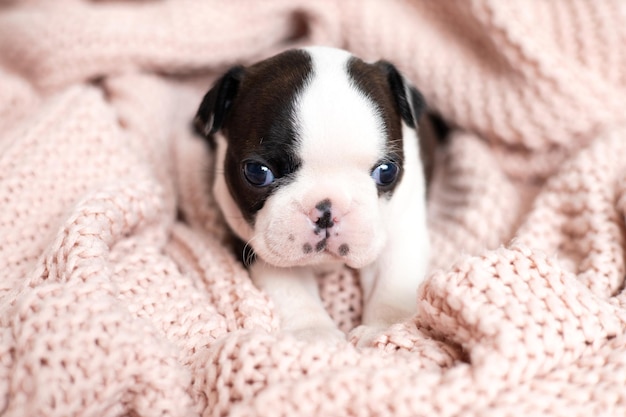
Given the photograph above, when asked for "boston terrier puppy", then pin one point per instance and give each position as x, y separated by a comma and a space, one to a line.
321, 162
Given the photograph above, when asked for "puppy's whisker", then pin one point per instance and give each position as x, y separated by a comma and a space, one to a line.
248, 254
393, 148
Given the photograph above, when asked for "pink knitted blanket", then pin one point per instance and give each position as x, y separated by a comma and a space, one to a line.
118, 298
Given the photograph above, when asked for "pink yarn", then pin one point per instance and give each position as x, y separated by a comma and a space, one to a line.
118, 297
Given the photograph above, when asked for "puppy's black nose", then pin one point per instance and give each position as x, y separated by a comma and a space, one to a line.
325, 221
325, 218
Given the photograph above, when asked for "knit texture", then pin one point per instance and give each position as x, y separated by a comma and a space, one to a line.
118, 296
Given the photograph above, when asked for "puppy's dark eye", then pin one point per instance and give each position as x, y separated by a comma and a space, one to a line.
258, 174
385, 173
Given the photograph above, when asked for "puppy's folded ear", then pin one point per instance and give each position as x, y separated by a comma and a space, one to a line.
413, 110
410, 101
217, 102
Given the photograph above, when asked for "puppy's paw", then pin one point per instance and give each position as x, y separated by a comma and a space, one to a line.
329, 335
367, 336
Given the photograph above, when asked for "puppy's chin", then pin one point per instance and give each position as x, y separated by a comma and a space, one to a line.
285, 259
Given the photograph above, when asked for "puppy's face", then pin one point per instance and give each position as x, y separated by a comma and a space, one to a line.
310, 152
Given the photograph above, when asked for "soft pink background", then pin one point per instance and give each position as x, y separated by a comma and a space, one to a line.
111, 305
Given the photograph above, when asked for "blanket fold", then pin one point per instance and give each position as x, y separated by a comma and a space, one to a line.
118, 296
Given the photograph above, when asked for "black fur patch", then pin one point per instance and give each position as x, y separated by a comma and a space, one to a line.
396, 101
254, 109
372, 80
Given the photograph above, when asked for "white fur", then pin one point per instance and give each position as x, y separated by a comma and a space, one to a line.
229, 208
341, 138
390, 284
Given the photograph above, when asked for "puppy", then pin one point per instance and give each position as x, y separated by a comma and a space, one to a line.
319, 164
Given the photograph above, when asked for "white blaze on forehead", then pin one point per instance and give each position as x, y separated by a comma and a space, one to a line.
339, 124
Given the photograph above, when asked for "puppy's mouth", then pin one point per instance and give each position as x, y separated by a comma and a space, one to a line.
322, 247
296, 251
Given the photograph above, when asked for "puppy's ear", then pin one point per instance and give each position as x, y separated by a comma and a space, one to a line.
410, 101
217, 102
414, 113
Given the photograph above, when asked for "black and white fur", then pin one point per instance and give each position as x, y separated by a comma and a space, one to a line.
323, 129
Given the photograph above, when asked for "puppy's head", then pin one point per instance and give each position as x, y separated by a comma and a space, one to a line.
312, 148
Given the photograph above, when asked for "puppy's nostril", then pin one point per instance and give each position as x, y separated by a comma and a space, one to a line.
325, 221
322, 216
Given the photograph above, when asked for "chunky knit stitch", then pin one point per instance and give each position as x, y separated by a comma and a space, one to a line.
118, 296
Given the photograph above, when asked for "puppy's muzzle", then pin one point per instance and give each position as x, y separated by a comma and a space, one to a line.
324, 224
